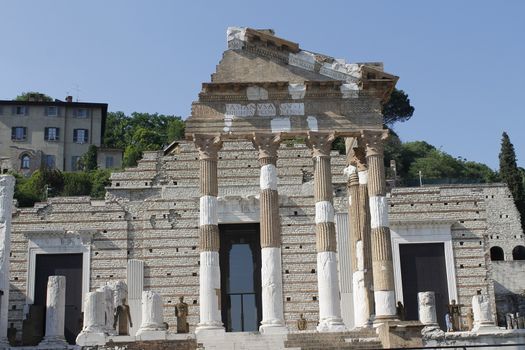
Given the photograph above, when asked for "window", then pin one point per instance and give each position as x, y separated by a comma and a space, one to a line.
518, 253
18, 133
109, 162
81, 113
25, 162
20, 110
51, 134
50, 161
80, 135
52, 111
496, 254
75, 163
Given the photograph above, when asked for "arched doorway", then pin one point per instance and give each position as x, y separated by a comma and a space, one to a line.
496, 254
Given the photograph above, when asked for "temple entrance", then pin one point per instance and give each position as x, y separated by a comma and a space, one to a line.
240, 261
423, 269
69, 265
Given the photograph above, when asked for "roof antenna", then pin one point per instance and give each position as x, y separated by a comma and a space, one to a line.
77, 89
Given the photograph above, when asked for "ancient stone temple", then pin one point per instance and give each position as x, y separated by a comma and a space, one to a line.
274, 240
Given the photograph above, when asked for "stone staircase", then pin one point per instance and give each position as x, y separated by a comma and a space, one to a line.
358, 339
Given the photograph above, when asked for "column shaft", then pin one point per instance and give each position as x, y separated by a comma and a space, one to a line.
270, 226
209, 269
327, 277
7, 184
55, 312
384, 292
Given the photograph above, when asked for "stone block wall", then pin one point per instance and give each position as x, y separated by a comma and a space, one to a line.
151, 213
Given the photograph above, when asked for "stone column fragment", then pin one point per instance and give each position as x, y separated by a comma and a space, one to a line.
328, 281
135, 281
209, 244
152, 326
271, 270
55, 313
109, 310
92, 333
427, 308
7, 184
383, 271
483, 320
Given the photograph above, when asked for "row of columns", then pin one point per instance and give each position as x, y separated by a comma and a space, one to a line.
373, 279
370, 235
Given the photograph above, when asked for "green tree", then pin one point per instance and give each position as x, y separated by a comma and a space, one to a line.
77, 184
99, 182
397, 108
89, 159
33, 96
511, 175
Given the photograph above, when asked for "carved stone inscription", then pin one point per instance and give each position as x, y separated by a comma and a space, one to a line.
264, 109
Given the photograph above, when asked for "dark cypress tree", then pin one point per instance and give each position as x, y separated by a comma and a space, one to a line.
510, 174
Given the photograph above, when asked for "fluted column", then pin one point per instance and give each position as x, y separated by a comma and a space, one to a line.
209, 270
384, 292
328, 282
365, 246
7, 185
271, 270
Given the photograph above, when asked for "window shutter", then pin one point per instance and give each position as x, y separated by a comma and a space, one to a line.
13, 133
26, 110
57, 133
86, 131
46, 133
25, 132
75, 133
58, 111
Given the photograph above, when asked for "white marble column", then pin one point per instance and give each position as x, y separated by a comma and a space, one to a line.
152, 326
330, 319
135, 281
209, 269
94, 318
427, 308
7, 184
483, 320
271, 270
383, 270
55, 313
109, 310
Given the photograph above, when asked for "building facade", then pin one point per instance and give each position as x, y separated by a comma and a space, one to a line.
55, 134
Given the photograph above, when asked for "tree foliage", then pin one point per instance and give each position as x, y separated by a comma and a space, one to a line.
33, 96
88, 161
141, 132
398, 108
46, 182
511, 174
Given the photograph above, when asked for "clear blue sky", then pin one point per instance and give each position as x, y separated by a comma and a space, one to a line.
461, 62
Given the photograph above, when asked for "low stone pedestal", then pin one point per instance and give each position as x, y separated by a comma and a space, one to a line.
400, 334
152, 326
483, 321
94, 324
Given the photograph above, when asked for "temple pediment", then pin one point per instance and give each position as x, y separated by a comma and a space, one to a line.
266, 84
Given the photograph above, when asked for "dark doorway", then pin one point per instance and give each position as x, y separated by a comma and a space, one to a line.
69, 265
423, 268
240, 259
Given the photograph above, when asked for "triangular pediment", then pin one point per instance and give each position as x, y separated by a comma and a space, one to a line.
264, 83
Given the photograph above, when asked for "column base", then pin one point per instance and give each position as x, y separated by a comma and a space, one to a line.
331, 325
53, 342
485, 328
273, 329
91, 338
4, 343
151, 335
209, 329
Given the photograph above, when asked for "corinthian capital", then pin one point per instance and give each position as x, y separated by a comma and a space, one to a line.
267, 145
373, 141
207, 145
320, 143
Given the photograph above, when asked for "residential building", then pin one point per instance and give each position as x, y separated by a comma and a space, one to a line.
55, 134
